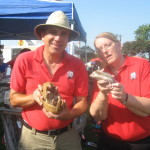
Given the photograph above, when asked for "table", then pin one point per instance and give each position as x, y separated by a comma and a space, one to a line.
11, 117
12, 123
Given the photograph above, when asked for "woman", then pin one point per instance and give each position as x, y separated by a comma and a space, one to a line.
122, 106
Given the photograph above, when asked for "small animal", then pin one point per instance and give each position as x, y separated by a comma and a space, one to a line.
99, 74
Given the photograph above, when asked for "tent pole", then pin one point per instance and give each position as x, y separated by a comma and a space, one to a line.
85, 53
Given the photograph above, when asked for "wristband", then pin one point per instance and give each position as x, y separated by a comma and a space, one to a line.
125, 100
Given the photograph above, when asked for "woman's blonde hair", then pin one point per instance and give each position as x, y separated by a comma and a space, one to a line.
107, 35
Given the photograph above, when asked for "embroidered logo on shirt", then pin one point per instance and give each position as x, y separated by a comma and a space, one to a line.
70, 74
133, 75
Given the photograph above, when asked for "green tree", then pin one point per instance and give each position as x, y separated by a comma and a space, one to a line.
141, 45
133, 48
143, 32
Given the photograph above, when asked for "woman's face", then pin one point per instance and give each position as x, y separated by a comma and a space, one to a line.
108, 50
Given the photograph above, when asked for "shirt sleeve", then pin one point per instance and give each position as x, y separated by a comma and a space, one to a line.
18, 80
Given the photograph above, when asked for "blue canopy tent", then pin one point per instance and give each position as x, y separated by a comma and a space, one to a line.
19, 17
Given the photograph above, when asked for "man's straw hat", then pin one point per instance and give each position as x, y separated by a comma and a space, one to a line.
59, 19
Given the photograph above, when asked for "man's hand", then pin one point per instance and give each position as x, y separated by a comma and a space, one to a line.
64, 115
37, 96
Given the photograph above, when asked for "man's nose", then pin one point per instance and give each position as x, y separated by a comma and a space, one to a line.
57, 37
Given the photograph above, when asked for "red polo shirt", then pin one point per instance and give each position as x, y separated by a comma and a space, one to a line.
30, 70
121, 123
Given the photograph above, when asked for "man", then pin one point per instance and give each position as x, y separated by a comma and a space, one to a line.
50, 63
123, 107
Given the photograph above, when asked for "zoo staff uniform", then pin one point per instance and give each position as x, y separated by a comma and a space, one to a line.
127, 126
30, 71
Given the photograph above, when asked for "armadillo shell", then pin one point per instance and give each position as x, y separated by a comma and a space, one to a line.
54, 109
49, 107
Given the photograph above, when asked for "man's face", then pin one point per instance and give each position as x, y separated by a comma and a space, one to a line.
108, 50
55, 39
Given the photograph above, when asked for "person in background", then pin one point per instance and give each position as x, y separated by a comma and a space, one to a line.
11, 62
123, 107
50, 63
3, 67
97, 63
25, 50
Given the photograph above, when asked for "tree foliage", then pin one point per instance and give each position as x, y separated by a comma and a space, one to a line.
136, 47
133, 48
142, 43
143, 32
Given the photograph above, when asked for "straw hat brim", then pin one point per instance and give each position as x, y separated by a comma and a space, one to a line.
37, 30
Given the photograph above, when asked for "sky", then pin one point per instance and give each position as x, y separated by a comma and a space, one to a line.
122, 17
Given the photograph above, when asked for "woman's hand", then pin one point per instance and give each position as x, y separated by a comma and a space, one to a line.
118, 91
104, 86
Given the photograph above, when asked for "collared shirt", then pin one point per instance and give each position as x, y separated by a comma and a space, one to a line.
121, 123
30, 70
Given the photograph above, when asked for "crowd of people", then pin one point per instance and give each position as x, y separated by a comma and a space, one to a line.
121, 107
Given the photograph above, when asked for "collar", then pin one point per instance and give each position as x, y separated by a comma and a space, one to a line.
38, 56
128, 62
